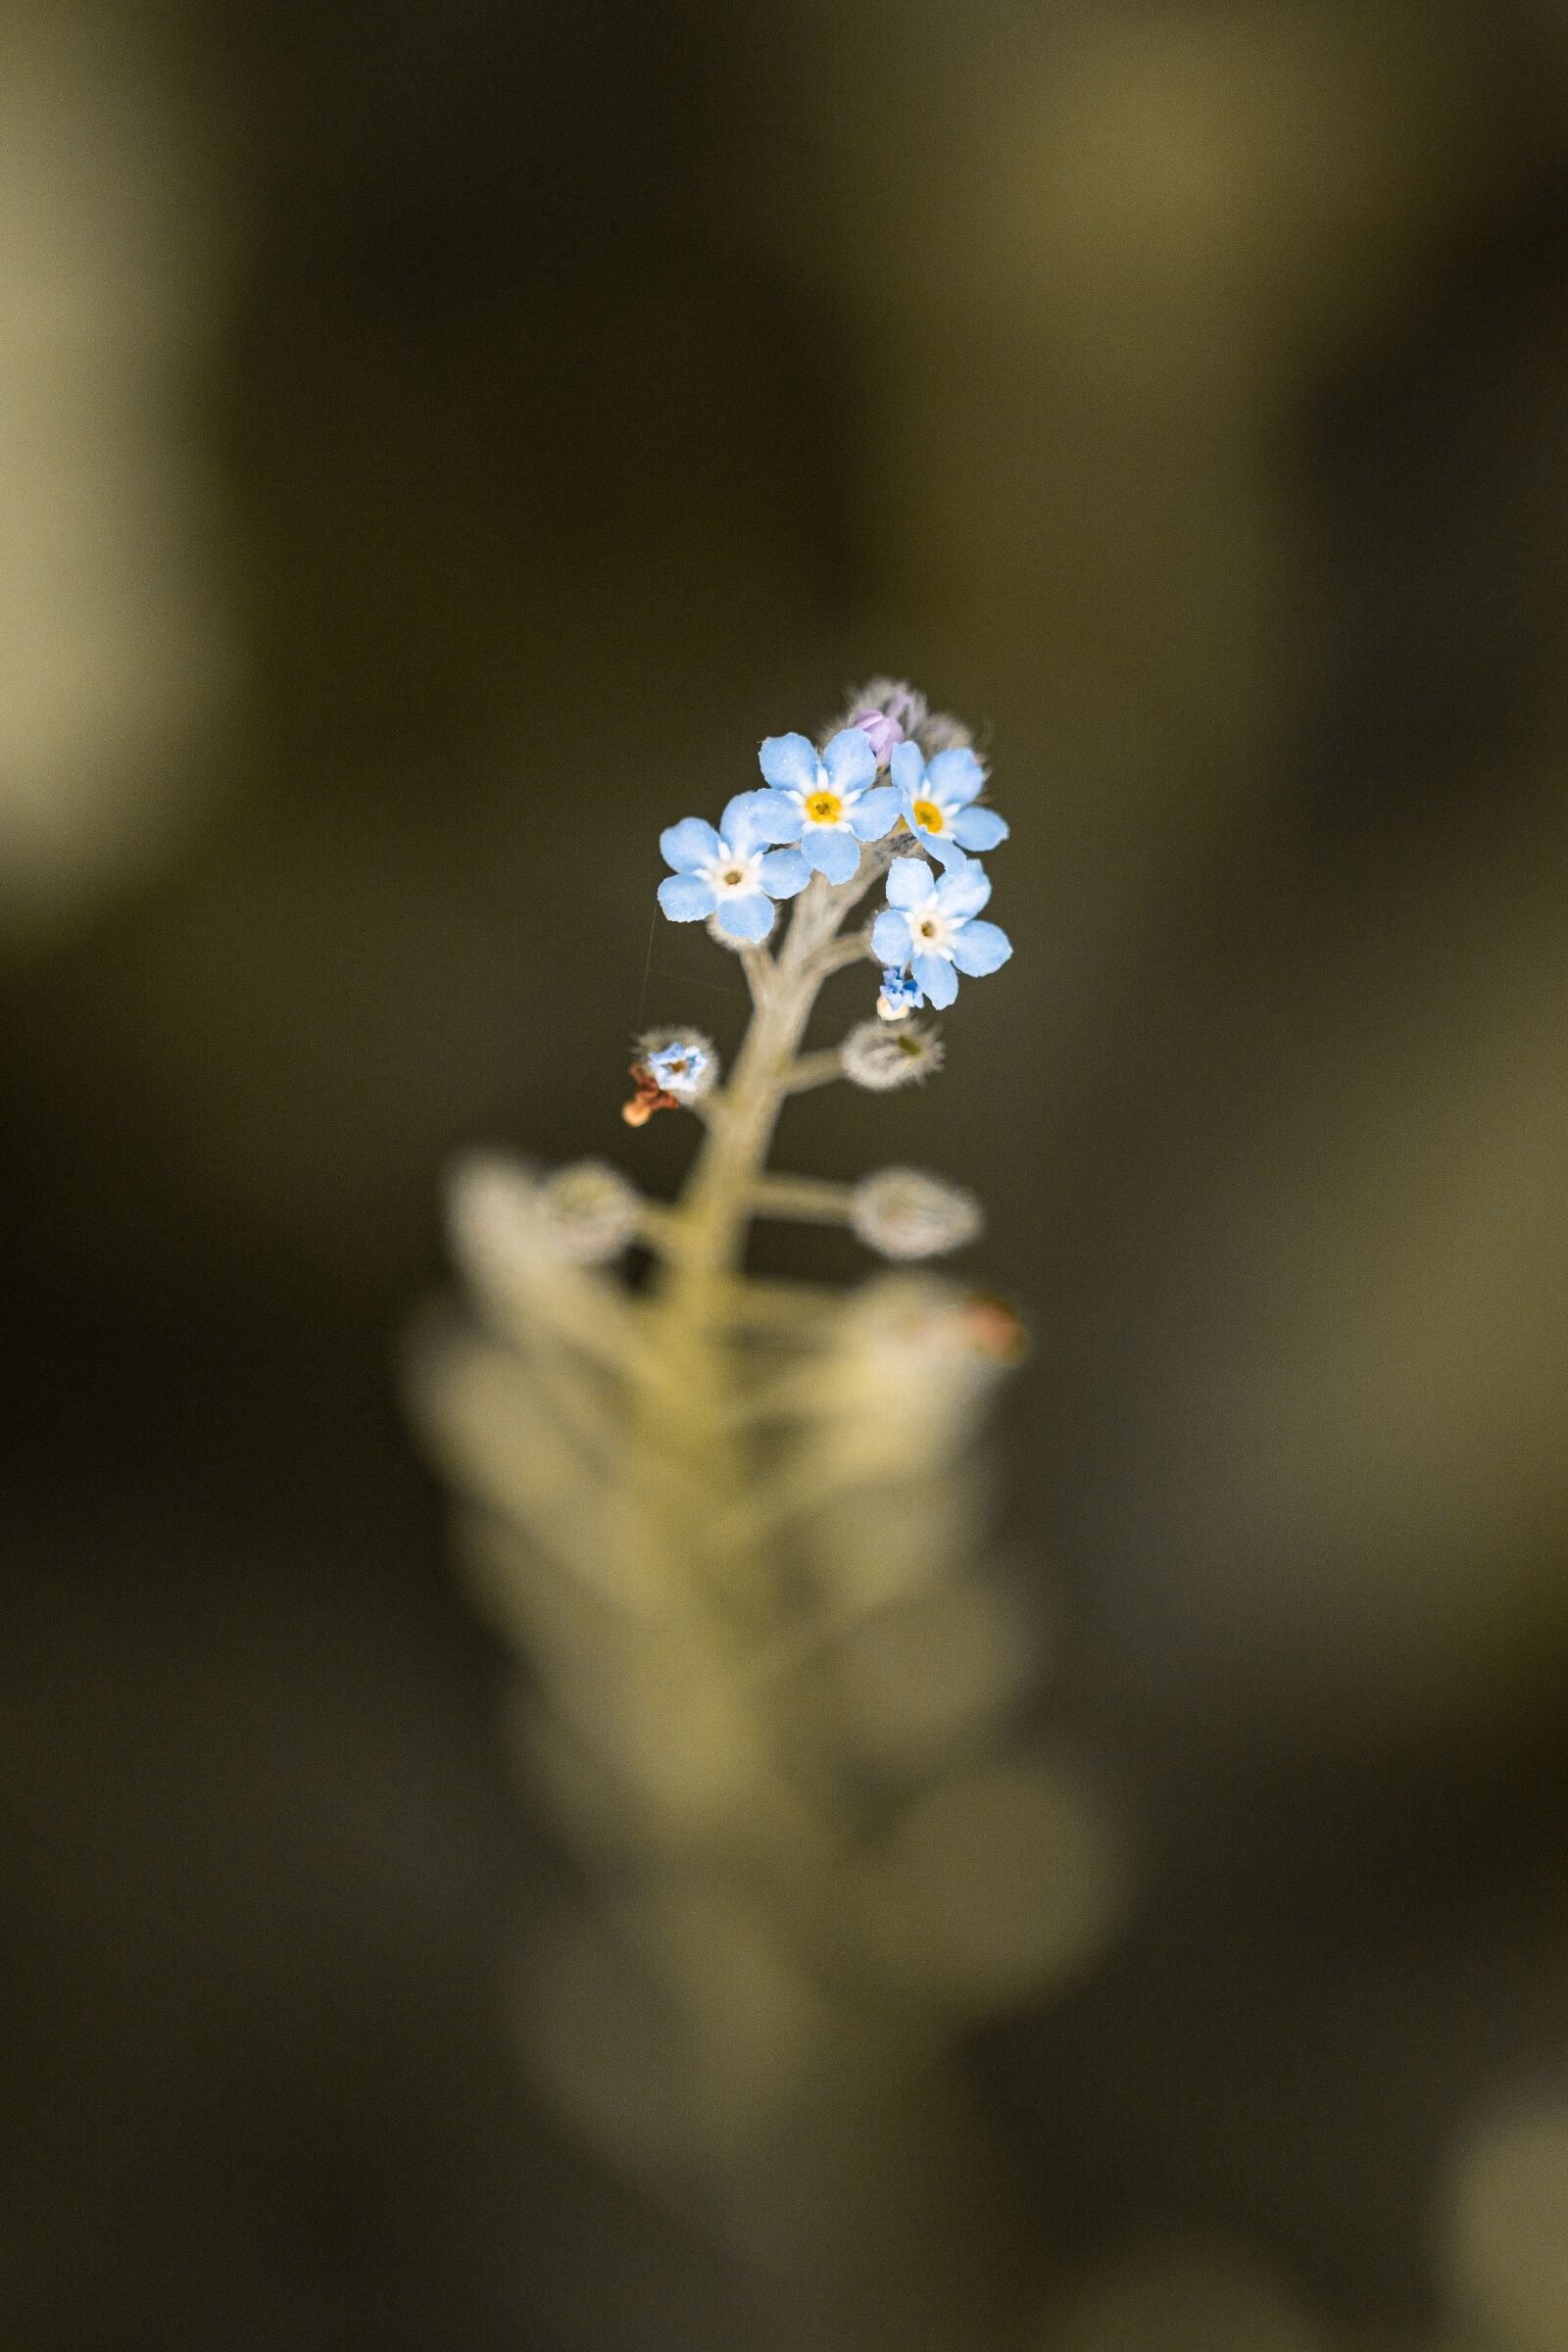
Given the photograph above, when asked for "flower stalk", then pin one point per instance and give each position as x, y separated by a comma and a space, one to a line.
699, 1498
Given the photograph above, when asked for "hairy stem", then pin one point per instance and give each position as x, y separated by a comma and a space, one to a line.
688, 1414
812, 1199
707, 1227
814, 1069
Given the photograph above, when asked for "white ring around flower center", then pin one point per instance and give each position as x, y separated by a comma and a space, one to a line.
929, 928
729, 876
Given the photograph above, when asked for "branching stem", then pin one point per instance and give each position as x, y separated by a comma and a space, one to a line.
689, 1413
813, 1070
809, 1199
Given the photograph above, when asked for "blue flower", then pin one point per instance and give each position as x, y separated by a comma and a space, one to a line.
935, 800
681, 1062
829, 803
930, 925
900, 994
682, 1067
729, 873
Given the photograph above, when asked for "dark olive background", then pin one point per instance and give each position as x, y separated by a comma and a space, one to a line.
1177, 392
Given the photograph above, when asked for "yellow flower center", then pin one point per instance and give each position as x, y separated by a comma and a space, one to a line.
824, 808
928, 816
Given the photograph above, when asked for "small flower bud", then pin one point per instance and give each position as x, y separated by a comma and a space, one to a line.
940, 731
588, 1212
887, 711
902, 1212
926, 1316
508, 1228
493, 1218
881, 1058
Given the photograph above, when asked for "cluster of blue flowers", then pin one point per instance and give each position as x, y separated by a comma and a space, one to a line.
815, 813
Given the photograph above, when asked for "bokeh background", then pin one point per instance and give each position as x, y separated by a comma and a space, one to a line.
438, 443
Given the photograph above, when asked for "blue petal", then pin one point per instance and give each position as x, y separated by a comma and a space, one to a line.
978, 948
683, 1061
909, 882
891, 941
753, 817
937, 978
908, 768
979, 828
874, 813
685, 900
850, 760
690, 844
944, 847
749, 915
783, 872
790, 763
831, 850
956, 776
963, 889
902, 991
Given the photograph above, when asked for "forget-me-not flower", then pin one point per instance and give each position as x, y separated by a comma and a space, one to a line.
929, 925
936, 799
729, 873
830, 803
900, 994
683, 1064
673, 1067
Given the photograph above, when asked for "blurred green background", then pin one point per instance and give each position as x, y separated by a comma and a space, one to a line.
438, 444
